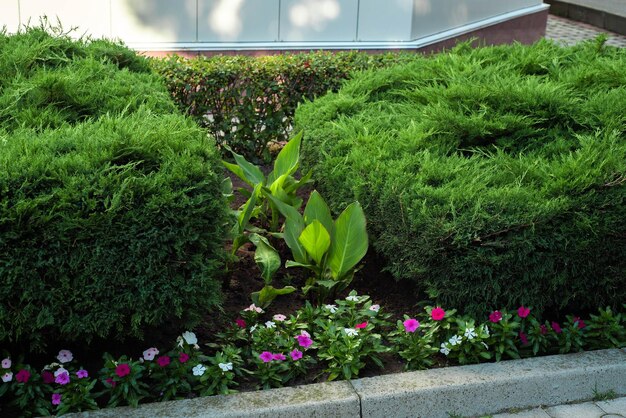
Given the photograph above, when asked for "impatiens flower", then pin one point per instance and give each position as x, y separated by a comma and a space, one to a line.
304, 341
111, 382
59, 371
63, 379
470, 334
183, 357
47, 377
375, 308
6, 363
270, 324
56, 399
523, 312
556, 327
278, 356
240, 323
122, 370
351, 332
457, 339
190, 338
253, 328
486, 330
444, 349
361, 325
150, 353
331, 308
22, 376
411, 324
523, 338
163, 361
581, 323
7, 377
82, 373
266, 356
254, 308
437, 314
225, 366
495, 316
296, 355
352, 298
306, 334
198, 370
65, 356
279, 317
543, 329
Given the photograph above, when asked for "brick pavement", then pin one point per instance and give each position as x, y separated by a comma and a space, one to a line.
571, 32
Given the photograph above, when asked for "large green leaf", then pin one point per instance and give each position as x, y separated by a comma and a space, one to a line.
266, 257
266, 295
248, 209
349, 241
316, 240
317, 209
245, 170
287, 160
294, 224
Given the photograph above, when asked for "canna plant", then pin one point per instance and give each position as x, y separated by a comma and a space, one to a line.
268, 260
330, 249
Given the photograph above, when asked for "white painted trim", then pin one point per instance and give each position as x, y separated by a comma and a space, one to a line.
280, 46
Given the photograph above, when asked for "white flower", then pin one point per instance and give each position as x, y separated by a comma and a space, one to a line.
331, 308
486, 330
7, 377
470, 333
375, 308
352, 298
350, 332
253, 328
150, 353
198, 370
226, 366
190, 338
270, 324
59, 371
179, 340
65, 356
444, 349
279, 317
6, 363
254, 308
455, 340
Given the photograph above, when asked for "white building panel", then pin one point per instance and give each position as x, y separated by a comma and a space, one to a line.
388, 20
238, 20
90, 17
318, 20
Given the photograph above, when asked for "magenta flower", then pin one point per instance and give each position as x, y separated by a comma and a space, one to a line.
122, 370
62, 379
361, 325
22, 376
240, 323
47, 377
296, 354
437, 314
56, 399
266, 356
304, 340
495, 316
581, 323
411, 324
523, 312
556, 327
543, 329
183, 357
111, 382
278, 356
163, 361
523, 338
82, 373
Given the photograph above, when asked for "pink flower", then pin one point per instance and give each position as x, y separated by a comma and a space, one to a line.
47, 377
361, 325
62, 379
163, 361
411, 324
150, 353
523, 338
183, 357
556, 327
495, 316
279, 317
254, 308
437, 314
266, 356
543, 329
523, 312
240, 323
304, 341
122, 370
82, 373
7, 377
581, 323
278, 356
22, 376
296, 354
6, 363
65, 356
56, 399
111, 382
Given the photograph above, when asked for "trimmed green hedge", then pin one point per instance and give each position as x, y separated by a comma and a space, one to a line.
491, 176
247, 102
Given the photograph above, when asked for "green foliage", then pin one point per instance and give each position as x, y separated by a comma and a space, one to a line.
491, 176
108, 228
268, 260
248, 102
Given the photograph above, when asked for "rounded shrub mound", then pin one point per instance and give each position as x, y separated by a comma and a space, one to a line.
107, 228
492, 176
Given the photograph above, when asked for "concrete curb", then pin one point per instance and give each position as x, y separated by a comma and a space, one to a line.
607, 15
464, 390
